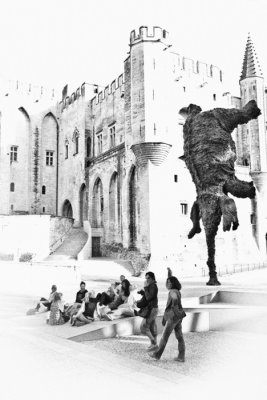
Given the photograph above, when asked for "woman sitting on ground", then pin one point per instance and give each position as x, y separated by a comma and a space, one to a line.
124, 305
56, 314
85, 314
128, 308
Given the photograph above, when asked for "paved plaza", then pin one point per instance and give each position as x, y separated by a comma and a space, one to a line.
37, 362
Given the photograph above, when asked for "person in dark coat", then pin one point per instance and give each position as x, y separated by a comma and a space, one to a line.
148, 326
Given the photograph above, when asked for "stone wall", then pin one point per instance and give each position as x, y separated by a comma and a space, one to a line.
58, 230
34, 234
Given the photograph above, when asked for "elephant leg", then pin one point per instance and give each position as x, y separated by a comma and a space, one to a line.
229, 212
195, 218
211, 218
240, 188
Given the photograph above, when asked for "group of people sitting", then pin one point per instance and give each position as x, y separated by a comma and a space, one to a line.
118, 301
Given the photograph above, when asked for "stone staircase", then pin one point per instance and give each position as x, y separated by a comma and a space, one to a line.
71, 246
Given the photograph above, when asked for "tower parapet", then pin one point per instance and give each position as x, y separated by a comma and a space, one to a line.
158, 34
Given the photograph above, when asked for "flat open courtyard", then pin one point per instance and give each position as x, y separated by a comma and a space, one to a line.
36, 362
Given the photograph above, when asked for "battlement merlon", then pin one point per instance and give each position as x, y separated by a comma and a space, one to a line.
158, 34
34, 92
186, 64
116, 84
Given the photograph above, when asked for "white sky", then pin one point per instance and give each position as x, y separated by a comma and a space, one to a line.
54, 42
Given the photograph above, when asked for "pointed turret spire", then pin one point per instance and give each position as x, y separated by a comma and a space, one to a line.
251, 65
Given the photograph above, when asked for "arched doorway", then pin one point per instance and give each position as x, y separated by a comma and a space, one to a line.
67, 209
132, 208
83, 205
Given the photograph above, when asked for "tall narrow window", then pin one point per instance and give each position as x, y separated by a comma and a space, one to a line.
214, 96
112, 136
66, 151
184, 207
88, 147
12, 187
43, 189
99, 143
49, 157
13, 153
75, 139
175, 178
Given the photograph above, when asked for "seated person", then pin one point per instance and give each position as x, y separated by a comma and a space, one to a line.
43, 302
56, 313
71, 310
118, 284
81, 293
127, 309
110, 294
85, 314
121, 299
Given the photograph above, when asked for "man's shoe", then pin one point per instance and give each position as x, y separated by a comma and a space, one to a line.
179, 358
154, 356
152, 347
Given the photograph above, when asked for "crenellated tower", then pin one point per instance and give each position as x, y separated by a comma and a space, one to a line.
150, 130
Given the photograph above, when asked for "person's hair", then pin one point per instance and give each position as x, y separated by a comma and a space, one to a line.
174, 282
82, 283
125, 285
151, 275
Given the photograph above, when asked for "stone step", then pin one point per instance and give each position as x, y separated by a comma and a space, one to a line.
71, 246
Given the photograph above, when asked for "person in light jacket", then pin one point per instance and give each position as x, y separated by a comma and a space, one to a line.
172, 320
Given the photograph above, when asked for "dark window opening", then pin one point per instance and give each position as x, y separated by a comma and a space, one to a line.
112, 136
99, 143
12, 187
214, 96
184, 208
252, 219
13, 153
175, 178
43, 189
88, 147
49, 158
76, 145
66, 151
43, 209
